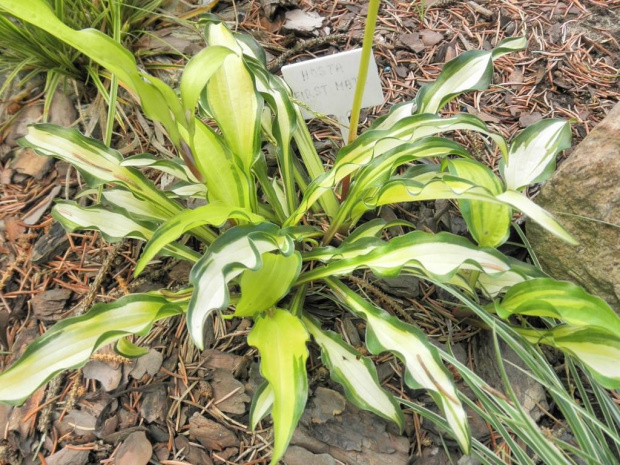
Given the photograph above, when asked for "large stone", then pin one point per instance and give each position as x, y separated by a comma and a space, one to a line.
584, 194
529, 392
330, 426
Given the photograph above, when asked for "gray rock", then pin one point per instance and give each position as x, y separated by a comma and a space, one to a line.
586, 185
350, 435
296, 455
468, 460
530, 393
435, 455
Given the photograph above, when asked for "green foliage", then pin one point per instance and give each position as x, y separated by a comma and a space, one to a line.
253, 243
30, 50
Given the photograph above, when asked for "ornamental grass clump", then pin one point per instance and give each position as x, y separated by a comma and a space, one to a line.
267, 237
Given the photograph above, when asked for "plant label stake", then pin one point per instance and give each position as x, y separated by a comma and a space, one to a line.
327, 85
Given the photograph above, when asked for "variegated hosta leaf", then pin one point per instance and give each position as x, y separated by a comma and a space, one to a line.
232, 100
396, 113
545, 297
356, 374
215, 214
378, 170
197, 73
70, 343
262, 403
238, 249
276, 95
113, 226
402, 189
313, 165
374, 228
531, 157
472, 70
174, 167
263, 288
431, 186
96, 162
541, 216
374, 143
436, 255
136, 207
488, 223
509, 45
346, 250
598, 349
225, 178
492, 286
281, 340
189, 190
386, 333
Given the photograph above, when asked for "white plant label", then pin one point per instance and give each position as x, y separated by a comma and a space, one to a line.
327, 85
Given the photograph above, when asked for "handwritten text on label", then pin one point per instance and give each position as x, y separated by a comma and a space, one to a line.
327, 84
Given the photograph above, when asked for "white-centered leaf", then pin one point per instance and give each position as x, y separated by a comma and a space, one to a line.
536, 213
136, 207
386, 333
113, 226
189, 190
598, 349
356, 374
531, 156
215, 214
472, 70
238, 249
70, 343
492, 286
175, 167
437, 255
281, 340
545, 297
97, 163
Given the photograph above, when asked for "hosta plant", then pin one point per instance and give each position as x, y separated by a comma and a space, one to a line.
257, 260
